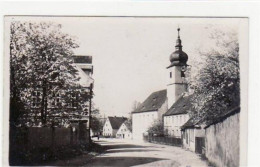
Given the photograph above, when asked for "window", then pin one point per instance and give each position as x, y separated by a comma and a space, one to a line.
36, 98
170, 74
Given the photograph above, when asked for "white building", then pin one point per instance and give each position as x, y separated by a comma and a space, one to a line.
112, 126
177, 116
193, 134
124, 132
83, 64
148, 112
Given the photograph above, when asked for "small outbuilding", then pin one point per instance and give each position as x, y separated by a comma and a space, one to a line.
193, 135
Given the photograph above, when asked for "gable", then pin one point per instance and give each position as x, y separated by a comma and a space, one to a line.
123, 126
116, 122
107, 124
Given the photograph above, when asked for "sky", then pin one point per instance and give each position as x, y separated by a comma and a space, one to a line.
130, 54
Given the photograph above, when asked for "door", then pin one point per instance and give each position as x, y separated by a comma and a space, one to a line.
199, 144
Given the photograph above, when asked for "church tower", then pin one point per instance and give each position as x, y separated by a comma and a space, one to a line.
177, 84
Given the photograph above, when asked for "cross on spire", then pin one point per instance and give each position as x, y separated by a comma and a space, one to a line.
178, 32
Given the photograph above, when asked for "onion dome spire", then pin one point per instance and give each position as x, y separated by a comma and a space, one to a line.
178, 57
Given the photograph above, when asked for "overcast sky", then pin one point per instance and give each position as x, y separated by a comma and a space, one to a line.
130, 54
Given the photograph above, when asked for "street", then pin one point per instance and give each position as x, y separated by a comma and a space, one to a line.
121, 152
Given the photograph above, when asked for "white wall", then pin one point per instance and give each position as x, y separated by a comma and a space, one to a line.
189, 143
222, 142
124, 132
107, 129
173, 123
171, 86
141, 122
174, 91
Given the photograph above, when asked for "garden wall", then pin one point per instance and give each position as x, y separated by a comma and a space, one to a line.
222, 142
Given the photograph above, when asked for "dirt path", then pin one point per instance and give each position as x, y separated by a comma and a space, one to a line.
133, 153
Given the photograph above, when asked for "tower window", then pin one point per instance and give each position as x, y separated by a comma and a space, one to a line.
170, 74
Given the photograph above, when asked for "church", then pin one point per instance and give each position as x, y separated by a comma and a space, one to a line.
170, 105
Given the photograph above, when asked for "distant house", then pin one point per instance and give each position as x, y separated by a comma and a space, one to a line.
193, 135
177, 116
148, 112
222, 139
112, 125
124, 132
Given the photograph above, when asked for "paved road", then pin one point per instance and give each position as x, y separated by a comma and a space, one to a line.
130, 153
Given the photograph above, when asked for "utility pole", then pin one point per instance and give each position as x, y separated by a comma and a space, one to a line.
90, 106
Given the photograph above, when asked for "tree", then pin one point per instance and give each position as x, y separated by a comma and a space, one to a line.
42, 66
96, 120
135, 105
156, 128
217, 85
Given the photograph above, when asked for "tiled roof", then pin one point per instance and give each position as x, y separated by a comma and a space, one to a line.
82, 59
116, 122
153, 102
181, 106
189, 124
128, 125
192, 123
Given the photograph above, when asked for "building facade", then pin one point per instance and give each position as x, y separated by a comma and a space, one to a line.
124, 132
150, 111
112, 126
193, 136
177, 116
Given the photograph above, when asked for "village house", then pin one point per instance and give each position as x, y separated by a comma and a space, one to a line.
84, 66
124, 132
148, 112
193, 135
112, 126
176, 116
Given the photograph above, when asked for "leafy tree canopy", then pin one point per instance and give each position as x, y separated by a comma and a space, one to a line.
41, 59
156, 128
217, 83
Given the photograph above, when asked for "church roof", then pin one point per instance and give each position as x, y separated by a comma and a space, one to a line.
116, 122
181, 106
153, 102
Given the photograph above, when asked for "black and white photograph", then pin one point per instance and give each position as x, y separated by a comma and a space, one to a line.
125, 91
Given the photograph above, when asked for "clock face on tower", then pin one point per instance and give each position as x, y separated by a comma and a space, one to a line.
183, 68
